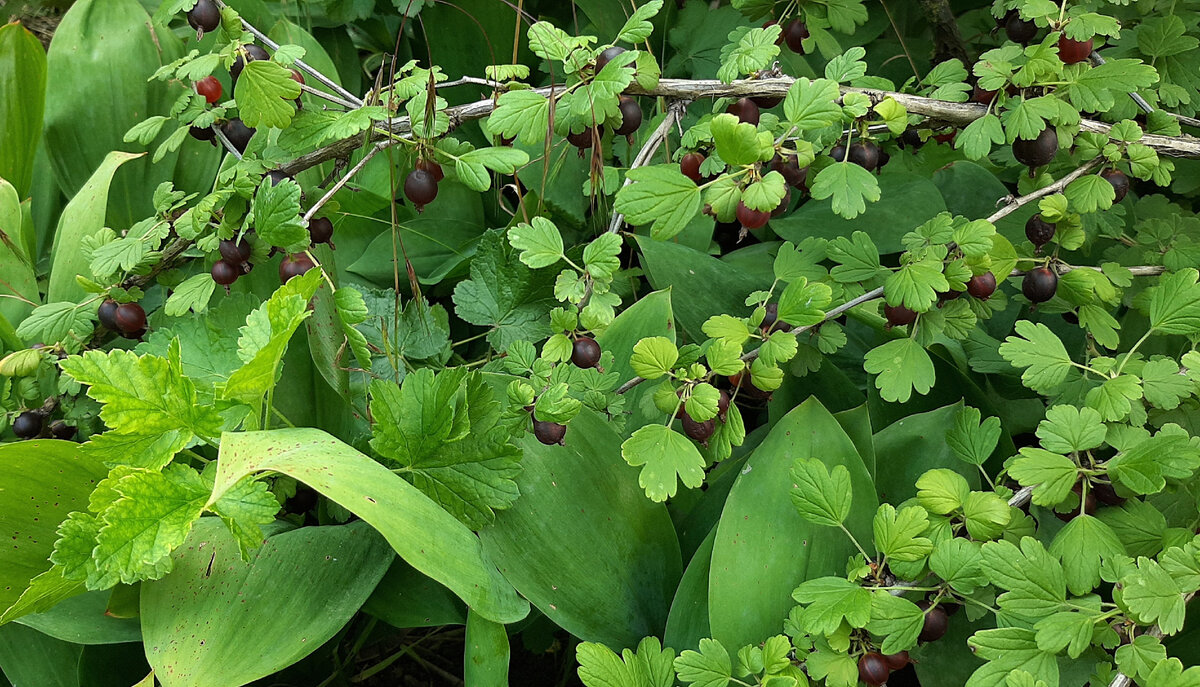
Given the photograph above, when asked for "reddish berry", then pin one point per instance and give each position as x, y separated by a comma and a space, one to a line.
235, 251
982, 286
420, 188
1119, 181
294, 266
607, 56
873, 669
690, 166
225, 273
898, 315
130, 318
981, 96
549, 433
793, 34
432, 167
1072, 51
210, 88
897, 660
583, 139
751, 219
698, 431
745, 110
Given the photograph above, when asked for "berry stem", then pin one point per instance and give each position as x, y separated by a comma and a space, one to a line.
342, 182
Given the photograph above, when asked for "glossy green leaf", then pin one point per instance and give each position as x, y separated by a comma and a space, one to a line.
905, 449
83, 216
649, 316
486, 661
764, 549
407, 518
218, 621
19, 283
28, 657
22, 98
604, 579
117, 39
43, 480
83, 619
407, 598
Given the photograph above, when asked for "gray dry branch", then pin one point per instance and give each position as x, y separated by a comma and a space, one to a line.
957, 114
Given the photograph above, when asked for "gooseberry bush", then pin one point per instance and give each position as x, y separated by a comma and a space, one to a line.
763, 342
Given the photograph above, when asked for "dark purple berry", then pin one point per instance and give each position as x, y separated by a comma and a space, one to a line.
252, 53
745, 110
1039, 151
1119, 181
698, 431
294, 266
898, 315
690, 166
1038, 231
225, 273
62, 430
751, 218
1040, 284
631, 117
549, 433
432, 167
204, 17
320, 230
982, 286
28, 424
238, 134
107, 314
793, 34
420, 188
936, 622
607, 56
234, 251
1019, 30
865, 155
585, 352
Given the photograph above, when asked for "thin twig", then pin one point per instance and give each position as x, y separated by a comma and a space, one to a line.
499, 85
675, 110
341, 182
328, 82
1096, 59
683, 89
226, 142
1011, 203
328, 96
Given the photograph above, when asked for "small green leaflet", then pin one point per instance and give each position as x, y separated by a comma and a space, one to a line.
660, 195
748, 50
903, 366
708, 667
829, 601
57, 322
897, 533
653, 357
1081, 546
524, 115
276, 212
650, 666
472, 167
1067, 428
858, 258
265, 338
638, 27
1153, 597
1051, 475
1040, 351
540, 242
812, 104
802, 304
1175, 303
916, 285
193, 294
971, 440
896, 618
942, 491
851, 187
663, 455
821, 496
265, 91
739, 143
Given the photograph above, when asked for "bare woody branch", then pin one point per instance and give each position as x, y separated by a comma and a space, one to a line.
957, 114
